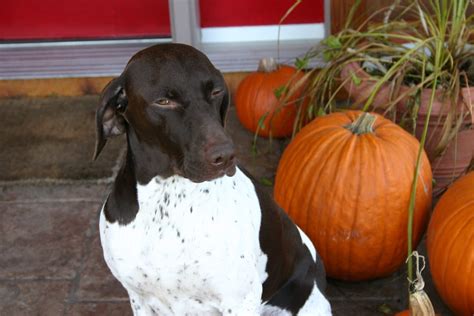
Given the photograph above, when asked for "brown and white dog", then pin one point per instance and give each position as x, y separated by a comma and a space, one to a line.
184, 229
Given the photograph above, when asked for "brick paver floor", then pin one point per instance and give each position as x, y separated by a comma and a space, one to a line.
51, 260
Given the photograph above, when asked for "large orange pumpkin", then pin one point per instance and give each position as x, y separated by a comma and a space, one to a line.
258, 108
346, 179
450, 244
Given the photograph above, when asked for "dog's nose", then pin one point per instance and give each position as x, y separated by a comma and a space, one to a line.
220, 155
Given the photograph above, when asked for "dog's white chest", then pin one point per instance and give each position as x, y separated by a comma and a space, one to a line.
191, 248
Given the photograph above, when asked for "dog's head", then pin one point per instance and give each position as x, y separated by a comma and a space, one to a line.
172, 103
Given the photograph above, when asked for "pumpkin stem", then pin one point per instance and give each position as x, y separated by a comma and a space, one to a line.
364, 124
267, 64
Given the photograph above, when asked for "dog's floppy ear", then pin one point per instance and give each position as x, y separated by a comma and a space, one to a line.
224, 105
109, 119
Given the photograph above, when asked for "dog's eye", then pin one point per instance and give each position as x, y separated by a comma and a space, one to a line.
162, 101
216, 92
165, 103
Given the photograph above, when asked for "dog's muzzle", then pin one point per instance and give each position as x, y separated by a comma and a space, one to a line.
221, 157
215, 161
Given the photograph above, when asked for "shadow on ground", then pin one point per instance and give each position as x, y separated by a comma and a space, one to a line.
51, 262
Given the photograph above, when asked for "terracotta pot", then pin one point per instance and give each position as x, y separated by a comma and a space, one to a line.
458, 153
359, 93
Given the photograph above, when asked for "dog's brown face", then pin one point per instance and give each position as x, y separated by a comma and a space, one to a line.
171, 102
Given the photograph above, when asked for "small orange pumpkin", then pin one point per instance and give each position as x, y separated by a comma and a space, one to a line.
258, 108
450, 244
345, 179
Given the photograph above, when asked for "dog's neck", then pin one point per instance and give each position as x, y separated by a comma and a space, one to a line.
142, 164
147, 161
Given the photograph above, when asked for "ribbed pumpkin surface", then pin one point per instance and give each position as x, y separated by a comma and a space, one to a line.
255, 98
450, 244
350, 193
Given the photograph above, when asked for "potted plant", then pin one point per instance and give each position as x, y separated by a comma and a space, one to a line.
414, 66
